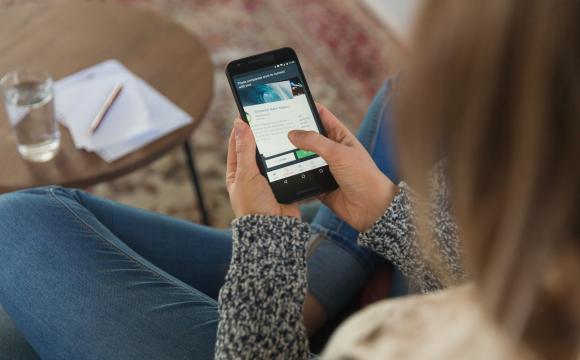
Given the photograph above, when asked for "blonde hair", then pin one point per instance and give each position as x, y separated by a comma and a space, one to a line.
494, 87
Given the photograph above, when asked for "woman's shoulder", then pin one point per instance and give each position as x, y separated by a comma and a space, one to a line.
448, 324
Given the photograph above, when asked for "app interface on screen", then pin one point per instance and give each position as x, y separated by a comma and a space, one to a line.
274, 102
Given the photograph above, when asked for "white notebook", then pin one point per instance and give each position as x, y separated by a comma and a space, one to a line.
139, 116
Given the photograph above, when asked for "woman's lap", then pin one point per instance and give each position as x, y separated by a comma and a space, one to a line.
76, 290
195, 254
111, 281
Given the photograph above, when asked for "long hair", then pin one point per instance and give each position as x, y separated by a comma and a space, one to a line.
494, 87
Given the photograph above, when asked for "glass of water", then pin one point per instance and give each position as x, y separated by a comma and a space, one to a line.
28, 97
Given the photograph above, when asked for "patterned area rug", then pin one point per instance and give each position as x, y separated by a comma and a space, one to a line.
345, 52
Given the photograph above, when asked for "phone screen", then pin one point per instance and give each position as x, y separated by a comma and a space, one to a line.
274, 102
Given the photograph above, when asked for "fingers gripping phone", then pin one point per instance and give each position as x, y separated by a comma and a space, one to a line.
273, 98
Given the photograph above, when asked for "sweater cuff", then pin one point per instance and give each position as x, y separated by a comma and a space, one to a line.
274, 237
396, 222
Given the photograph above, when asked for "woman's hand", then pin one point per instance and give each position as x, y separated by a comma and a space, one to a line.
365, 192
249, 191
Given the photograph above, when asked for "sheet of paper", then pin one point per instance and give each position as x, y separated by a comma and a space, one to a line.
80, 103
138, 117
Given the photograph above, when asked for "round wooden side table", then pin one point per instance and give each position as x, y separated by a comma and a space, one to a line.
68, 36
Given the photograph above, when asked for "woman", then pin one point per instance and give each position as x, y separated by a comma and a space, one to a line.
493, 87
487, 90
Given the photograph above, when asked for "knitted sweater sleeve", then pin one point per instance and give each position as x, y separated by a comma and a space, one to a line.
395, 236
260, 304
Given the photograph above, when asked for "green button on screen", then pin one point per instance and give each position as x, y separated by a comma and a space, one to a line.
303, 153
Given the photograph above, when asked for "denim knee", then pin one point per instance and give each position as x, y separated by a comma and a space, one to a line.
36, 195
24, 199
22, 210
13, 202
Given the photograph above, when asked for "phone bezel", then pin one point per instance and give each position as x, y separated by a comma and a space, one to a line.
296, 187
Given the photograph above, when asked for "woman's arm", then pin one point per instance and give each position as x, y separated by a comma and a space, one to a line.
365, 193
262, 298
395, 236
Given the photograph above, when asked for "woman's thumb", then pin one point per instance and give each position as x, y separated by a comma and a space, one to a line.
313, 141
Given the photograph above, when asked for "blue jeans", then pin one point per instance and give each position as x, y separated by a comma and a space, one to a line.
87, 278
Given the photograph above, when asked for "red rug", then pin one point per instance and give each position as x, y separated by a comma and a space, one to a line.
345, 52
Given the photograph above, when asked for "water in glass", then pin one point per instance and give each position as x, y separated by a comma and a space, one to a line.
30, 107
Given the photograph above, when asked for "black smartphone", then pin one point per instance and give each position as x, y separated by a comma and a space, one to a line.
273, 98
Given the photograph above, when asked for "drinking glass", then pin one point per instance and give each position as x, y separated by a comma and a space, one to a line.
28, 97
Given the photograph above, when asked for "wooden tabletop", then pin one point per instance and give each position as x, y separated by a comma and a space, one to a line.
66, 37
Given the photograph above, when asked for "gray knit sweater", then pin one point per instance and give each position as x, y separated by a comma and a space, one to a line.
261, 301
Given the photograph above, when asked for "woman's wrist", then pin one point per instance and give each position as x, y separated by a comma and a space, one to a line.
380, 202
